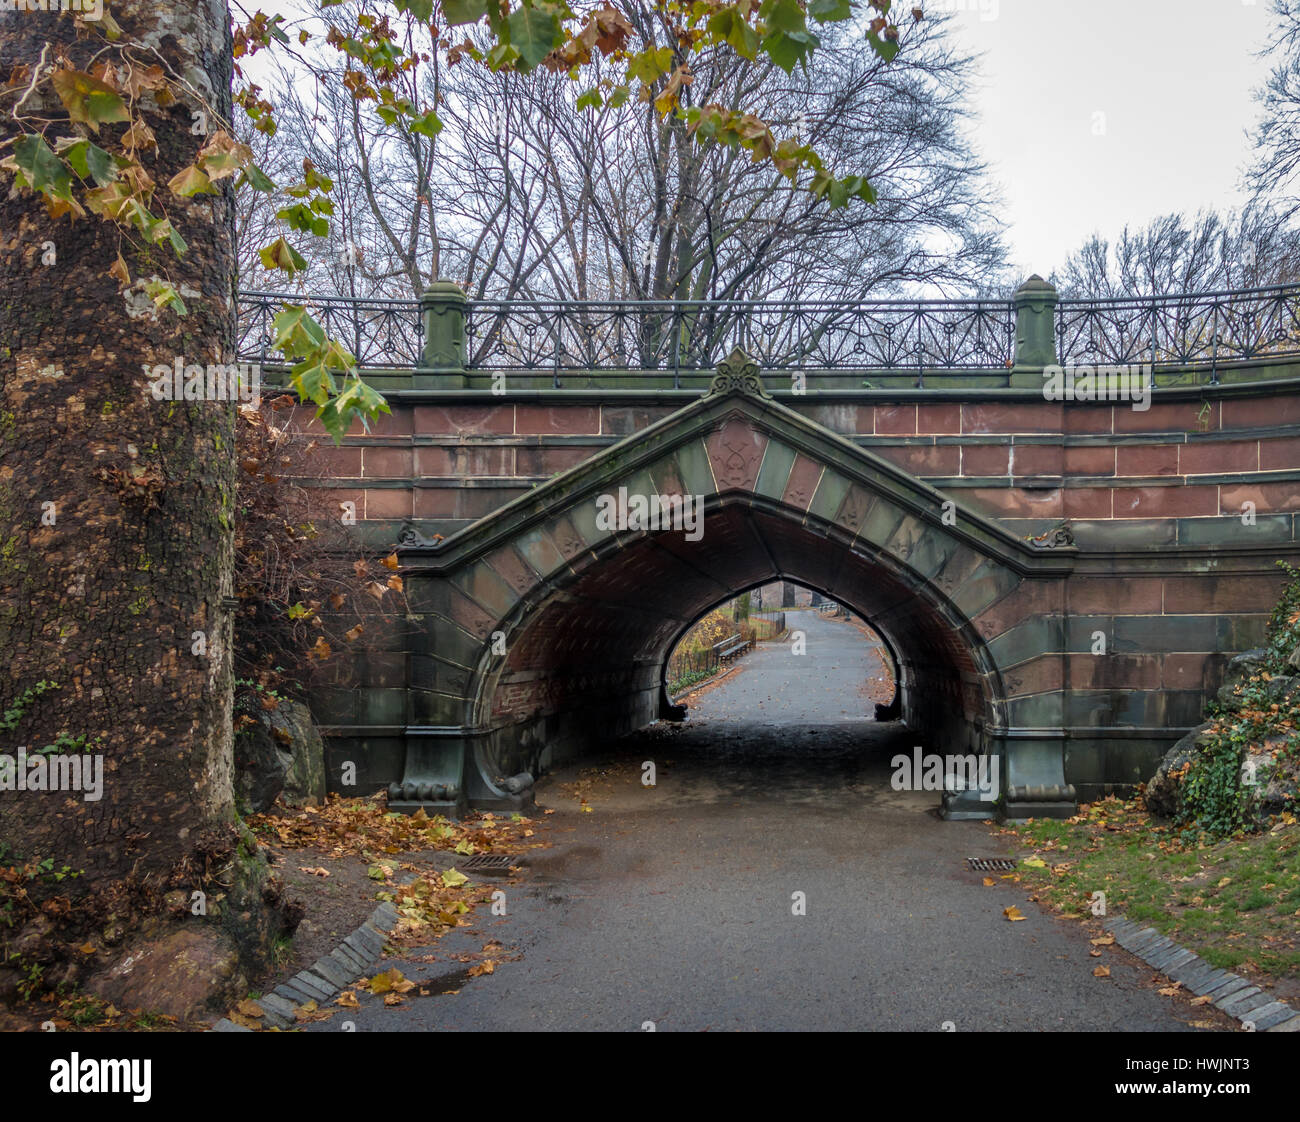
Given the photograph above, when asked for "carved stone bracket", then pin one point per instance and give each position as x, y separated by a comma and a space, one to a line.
1060, 538
738, 373
410, 536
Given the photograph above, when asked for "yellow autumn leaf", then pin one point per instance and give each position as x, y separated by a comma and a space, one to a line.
389, 980
1013, 913
1101, 972
989, 882
454, 878
1034, 862
348, 1000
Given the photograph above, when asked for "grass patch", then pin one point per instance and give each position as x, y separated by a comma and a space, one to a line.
1234, 901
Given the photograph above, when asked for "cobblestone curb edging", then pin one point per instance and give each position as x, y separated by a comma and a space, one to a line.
1234, 995
359, 953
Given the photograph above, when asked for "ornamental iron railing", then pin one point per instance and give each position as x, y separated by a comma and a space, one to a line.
1197, 330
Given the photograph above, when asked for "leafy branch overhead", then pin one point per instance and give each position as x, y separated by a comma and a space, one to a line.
92, 158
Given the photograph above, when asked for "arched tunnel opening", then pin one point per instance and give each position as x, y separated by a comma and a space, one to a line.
771, 616
587, 662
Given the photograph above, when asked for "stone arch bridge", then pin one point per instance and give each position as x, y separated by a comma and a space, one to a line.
1061, 581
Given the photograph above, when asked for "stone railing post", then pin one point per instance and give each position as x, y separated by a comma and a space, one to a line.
1035, 303
442, 311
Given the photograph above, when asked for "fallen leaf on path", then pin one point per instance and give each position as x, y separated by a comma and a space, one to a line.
1204, 1000
390, 980
1013, 913
1171, 991
989, 882
1101, 972
1103, 941
250, 1008
453, 877
1034, 862
482, 968
318, 871
348, 1000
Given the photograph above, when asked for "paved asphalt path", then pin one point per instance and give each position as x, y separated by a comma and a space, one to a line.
673, 904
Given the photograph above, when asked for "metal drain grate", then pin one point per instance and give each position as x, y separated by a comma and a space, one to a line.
487, 863
991, 864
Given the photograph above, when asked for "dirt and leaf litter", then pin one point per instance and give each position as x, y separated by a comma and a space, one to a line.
346, 856
1233, 902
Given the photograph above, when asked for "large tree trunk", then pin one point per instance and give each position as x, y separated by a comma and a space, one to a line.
105, 602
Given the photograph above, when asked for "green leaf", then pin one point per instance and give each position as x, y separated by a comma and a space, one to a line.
830, 11
357, 400
503, 54
163, 229
281, 255
788, 48
88, 160
885, 48
420, 9
733, 29
589, 100
429, 125
296, 332
456, 12
650, 64
313, 377
300, 217
40, 169
256, 178
784, 15
88, 99
534, 34
165, 295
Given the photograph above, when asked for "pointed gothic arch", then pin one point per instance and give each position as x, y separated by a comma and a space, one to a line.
541, 628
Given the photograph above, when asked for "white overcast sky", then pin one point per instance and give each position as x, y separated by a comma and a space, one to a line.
1176, 98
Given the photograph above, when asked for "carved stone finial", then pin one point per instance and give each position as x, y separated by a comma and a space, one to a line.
738, 373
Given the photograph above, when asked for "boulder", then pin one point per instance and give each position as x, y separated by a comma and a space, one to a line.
182, 973
1239, 671
282, 755
1163, 792
1272, 779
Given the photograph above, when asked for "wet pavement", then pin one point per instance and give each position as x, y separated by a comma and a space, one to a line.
770, 879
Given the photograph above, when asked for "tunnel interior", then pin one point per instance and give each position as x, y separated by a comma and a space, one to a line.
586, 664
